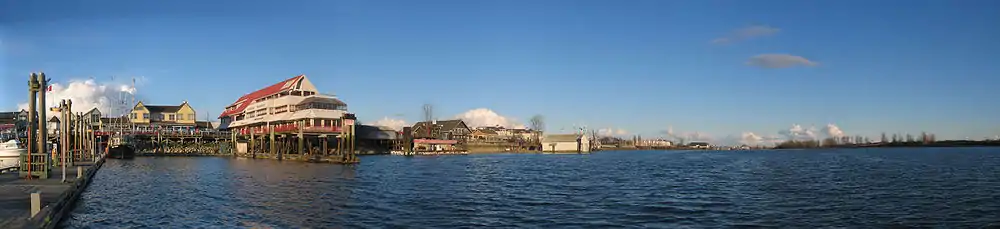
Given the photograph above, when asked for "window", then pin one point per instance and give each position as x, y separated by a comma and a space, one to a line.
170, 117
145, 116
190, 116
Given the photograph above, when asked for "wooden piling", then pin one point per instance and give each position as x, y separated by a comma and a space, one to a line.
274, 150
300, 135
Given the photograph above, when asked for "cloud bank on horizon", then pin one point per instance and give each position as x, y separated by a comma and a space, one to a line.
479, 117
87, 95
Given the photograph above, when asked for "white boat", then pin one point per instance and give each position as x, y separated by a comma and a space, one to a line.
10, 154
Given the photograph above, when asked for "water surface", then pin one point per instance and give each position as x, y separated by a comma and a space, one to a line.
939, 187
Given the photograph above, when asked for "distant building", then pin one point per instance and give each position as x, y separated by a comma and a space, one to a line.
291, 105
93, 117
566, 143
442, 130
485, 135
53, 126
699, 145
163, 116
16, 121
654, 143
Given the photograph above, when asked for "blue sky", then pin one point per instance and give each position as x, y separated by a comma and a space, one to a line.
639, 66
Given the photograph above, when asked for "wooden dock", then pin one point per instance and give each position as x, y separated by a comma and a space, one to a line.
56, 198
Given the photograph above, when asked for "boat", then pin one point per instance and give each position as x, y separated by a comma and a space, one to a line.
121, 148
10, 154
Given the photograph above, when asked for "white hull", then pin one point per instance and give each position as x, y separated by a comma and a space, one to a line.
10, 157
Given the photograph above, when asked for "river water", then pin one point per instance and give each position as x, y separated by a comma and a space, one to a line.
938, 187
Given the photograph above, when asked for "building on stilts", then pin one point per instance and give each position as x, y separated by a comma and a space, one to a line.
291, 120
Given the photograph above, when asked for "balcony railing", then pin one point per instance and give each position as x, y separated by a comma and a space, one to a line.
292, 128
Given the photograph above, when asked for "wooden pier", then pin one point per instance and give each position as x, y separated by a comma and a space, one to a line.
298, 142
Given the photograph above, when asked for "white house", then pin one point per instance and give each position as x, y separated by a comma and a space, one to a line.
566, 143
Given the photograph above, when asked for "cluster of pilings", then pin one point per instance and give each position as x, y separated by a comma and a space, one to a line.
329, 148
75, 141
182, 146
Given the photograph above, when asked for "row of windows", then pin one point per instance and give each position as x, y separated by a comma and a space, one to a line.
159, 117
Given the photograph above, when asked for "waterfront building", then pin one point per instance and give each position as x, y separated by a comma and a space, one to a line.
182, 115
444, 135
53, 126
15, 121
93, 117
442, 130
486, 136
566, 143
285, 107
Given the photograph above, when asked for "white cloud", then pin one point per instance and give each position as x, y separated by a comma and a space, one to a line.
779, 61
698, 137
88, 94
686, 137
746, 33
750, 138
485, 117
832, 130
612, 132
395, 124
798, 133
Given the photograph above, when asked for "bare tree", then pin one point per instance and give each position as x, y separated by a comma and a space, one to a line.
428, 112
537, 122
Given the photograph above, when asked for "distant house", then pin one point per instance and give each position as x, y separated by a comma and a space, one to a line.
93, 117
442, 130
8, 118
485, 135
181, 115
566, 143
53, 126
699, 145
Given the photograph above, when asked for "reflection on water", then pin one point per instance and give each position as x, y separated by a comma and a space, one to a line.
661, 189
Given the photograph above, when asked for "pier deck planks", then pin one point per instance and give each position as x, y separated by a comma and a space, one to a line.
15, 201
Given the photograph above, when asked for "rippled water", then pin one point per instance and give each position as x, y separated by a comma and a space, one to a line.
944, 187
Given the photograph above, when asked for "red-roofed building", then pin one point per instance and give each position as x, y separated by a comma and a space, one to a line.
288, 106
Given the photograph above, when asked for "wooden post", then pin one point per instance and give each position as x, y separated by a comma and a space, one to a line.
273, 151
253, 151
324, 142
36, 203
300, 135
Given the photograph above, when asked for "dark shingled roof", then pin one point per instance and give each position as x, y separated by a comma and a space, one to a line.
8, 115
446, 125
163, 109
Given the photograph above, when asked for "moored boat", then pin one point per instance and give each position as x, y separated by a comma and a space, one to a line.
121, 149
10, 154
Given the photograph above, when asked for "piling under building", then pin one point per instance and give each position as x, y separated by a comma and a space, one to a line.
291, 120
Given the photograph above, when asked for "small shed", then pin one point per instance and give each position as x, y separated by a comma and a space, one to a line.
566, 143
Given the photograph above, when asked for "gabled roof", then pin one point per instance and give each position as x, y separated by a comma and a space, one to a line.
446, 125
163, 109
92, 111
561, 138
245, 100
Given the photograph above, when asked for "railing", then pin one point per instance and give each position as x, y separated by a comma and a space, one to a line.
289, 128
162, 132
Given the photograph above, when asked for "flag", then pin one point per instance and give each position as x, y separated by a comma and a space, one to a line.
50, 88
